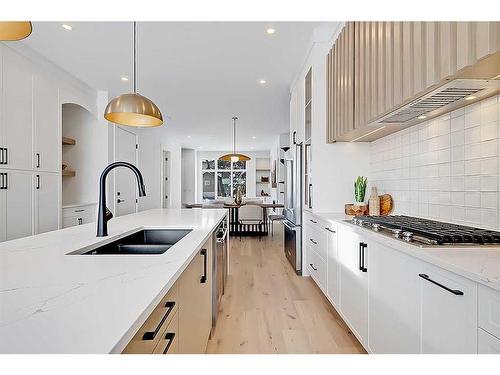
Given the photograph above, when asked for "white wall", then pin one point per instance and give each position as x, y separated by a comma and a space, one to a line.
446, 168
334, 167
251, 179
189, 177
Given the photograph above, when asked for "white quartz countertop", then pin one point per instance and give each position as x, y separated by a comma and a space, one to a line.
480, 263
51, 302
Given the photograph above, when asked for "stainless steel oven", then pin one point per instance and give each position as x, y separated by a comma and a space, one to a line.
219, 266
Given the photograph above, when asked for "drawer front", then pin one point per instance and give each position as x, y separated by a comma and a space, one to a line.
78, 211
486, 343
489, 310
317, 238
317, 268
76, 220
151, 332
169, 340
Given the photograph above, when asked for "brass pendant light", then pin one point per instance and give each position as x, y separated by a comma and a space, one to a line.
234, 157
14, 30
133, 109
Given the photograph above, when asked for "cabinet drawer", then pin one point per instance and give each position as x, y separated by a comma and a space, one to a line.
169, 340
317, 238
151, 332
486, 343
79, 211
489, 310
316, 267
76, 220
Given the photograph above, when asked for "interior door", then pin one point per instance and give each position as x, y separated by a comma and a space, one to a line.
46, 202
125, 181
166, 179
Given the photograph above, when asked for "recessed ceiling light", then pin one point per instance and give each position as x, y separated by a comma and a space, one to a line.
421, 117
251, 148
65, 26
270, 31
262, 81
470, 97
124, 79
189, 136
254, 137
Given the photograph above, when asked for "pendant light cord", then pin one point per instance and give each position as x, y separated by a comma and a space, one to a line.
135, 58
234, 135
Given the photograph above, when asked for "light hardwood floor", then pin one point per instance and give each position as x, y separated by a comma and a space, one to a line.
267, 308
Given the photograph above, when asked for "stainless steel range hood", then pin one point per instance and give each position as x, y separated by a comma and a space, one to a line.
446, 98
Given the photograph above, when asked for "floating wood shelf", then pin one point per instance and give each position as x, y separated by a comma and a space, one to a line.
68, 173
68, 141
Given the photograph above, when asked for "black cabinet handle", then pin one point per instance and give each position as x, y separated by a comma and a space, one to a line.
312, 221
203, 279
3, 181
314, 242
294, 138
38, 182
5, 153
362, 247
170, 337
38, 160
313, 267
1, 155
330, 230
80, 221
309, 193
453, 291
152, 334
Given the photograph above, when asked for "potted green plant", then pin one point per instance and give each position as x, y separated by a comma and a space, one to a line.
360, 190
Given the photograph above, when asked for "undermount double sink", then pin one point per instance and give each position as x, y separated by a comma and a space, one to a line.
143, 242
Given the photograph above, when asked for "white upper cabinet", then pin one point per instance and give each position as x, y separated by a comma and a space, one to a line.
46, 125
353, 251
448, 312
46, 199
16, 111
393, 302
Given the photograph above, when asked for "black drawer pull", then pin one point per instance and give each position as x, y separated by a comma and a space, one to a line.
313, 267
314, 242
362, 247
312, 221
203, 279
1, 155
170, 337
152, 334
38, 182
38, 160
330, 230
453, 291
79, 210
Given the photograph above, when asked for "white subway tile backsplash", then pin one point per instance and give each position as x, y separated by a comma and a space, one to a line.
446, 168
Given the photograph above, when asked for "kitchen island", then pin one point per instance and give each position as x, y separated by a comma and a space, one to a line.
51, 302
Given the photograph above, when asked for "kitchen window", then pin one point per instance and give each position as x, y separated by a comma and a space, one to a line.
221, 178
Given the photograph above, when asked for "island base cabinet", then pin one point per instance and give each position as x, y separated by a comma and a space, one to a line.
448, 309
182, 321
195, 318
393, 301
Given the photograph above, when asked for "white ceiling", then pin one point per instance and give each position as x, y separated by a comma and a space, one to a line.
200, 74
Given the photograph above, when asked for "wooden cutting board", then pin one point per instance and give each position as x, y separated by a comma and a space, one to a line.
386, 204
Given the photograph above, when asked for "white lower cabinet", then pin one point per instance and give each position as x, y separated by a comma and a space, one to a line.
448, 312
393, 301
46, 202
489, 310
78, 215
486, 343
16, 207
333, 265
317, 268
353, 250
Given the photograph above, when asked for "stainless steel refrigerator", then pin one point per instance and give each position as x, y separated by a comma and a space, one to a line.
293, 208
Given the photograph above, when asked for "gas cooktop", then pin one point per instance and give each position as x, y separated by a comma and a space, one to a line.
428, 232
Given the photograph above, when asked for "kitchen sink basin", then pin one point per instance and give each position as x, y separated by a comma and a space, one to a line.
146, 241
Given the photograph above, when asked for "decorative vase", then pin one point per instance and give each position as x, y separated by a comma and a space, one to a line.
237, 197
